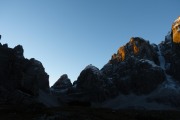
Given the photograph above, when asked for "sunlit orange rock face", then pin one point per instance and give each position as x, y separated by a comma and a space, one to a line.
135, 47
135, 44
122, 53
176, 31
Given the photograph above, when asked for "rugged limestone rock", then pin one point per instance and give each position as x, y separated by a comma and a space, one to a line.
172, 58
176, 31
147, 71
134, 69
146, 77
95, 85
135, 76
136, 47
62, 83
175, 35
139, 69
34, 77
21, 75
19, 51
170, 49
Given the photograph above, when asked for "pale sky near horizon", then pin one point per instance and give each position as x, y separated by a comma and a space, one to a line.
68, 35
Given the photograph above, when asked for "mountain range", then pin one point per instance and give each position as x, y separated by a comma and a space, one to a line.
141, 75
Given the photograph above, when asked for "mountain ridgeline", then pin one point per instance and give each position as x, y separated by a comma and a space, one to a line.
140, 71
139, 75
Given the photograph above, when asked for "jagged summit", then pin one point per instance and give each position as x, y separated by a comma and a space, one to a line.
63, 82
22, 81
177, 20
92, 68
136, 47
176, 30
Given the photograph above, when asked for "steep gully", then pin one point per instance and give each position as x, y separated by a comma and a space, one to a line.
170, 83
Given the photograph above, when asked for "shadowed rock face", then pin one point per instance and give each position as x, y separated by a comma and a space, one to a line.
139, 73
170, 49
132, 75
62, 83
95, 84
137, 70
20, 74
134, 69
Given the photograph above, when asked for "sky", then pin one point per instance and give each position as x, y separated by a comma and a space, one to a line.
68, 35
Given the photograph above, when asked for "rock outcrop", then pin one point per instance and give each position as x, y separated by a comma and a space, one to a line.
138, 72
95, 85
20, 78
62, 83
170, 49
146, 72
176, 31
136, 47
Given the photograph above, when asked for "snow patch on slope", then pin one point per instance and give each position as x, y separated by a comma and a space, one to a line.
150, 62
170, 83
161, 58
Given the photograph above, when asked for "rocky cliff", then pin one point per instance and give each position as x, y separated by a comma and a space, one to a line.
140, 75
176, 31
21, 79
140, 71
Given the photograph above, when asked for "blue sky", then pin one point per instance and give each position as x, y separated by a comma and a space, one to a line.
68, 35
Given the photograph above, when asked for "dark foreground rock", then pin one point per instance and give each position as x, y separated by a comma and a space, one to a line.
20, 78
82, 113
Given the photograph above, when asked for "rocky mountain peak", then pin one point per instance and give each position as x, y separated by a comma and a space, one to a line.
19, 51
90, 76
20, 78
136, 47
176, 30
63, 82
